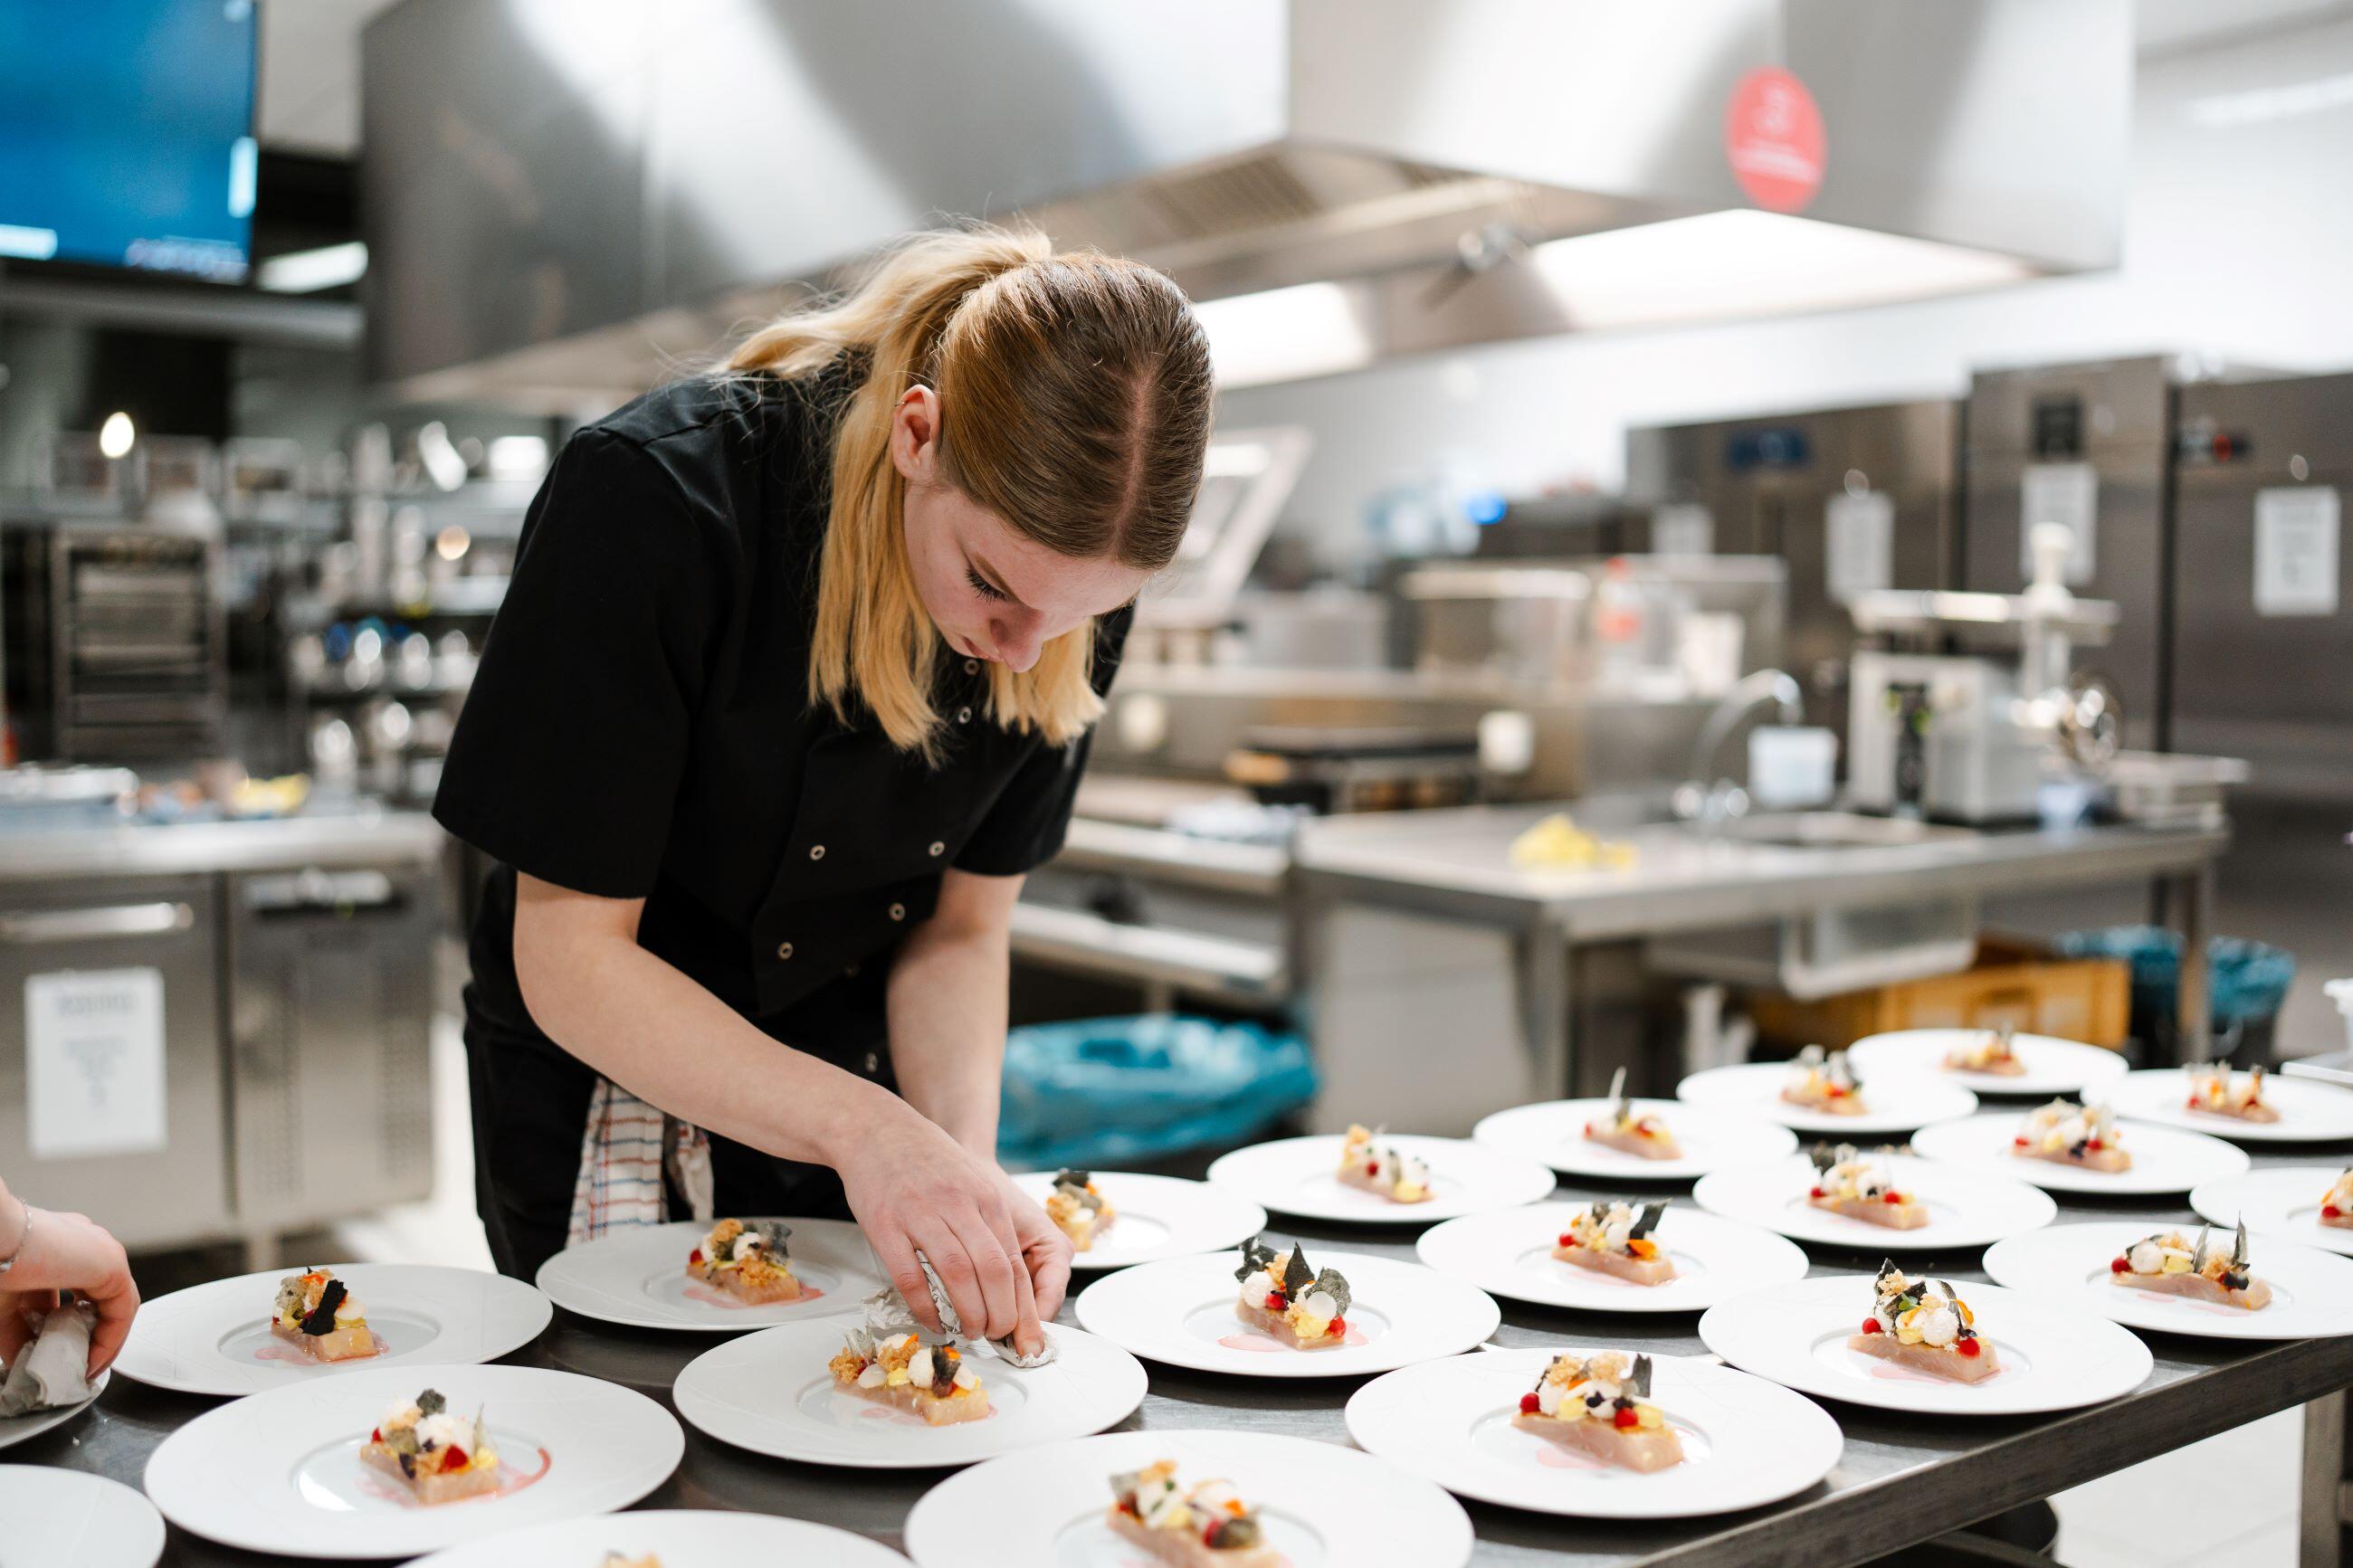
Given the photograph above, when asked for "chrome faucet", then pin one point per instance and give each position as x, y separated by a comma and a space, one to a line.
1705, 797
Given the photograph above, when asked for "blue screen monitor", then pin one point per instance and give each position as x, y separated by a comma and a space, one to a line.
126, 133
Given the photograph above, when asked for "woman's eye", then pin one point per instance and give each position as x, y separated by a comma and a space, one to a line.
981, 586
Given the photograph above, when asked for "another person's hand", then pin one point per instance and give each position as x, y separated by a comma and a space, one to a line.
913, 1188
1044, 1247
66, 1252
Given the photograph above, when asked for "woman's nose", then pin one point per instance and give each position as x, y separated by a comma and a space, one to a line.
1016, 641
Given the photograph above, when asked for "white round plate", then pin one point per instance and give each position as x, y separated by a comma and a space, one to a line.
2312, 1291
1745, 1441
1508, 1252
1297, 1175
14, 1429
1897, 1103
64, 1518
1180, 1312
281, 1472
770, 1393
2310, 1113
683, 1538
2053, 1066
1159, 1216
2284, 1202
215, 1338
638, 1277
1710, 1139
2165, 1159
1967, 1207
2060, 1355
1323, 1506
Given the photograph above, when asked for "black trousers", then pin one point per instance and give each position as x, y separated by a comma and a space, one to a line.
530, 1103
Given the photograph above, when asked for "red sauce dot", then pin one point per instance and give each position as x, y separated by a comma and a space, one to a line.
1275, 1301
1527, 1404
1892, 1198
1627, 1418
1967, 1347
2118, 1266
1871, 1326
1816, 1193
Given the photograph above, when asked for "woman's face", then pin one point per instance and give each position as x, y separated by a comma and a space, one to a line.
993, 594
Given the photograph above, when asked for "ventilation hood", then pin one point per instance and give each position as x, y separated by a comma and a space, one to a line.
568, 197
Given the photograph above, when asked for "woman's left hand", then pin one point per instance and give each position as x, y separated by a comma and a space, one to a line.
1045, 1250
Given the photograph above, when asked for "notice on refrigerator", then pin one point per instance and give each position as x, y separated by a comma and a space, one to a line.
1859, 544
2296, 551
94, 1062
2064, 493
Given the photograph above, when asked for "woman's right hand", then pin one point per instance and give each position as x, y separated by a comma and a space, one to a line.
913, 1188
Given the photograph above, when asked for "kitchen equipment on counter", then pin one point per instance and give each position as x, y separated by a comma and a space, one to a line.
1850, 500
1333, 769
115, 641
1966, 703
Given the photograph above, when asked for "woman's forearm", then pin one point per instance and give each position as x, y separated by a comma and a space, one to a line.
947, 1009
666, 1039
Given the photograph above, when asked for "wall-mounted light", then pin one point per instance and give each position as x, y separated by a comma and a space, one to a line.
116, 436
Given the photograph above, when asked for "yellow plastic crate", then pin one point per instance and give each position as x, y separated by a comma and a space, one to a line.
2012, 982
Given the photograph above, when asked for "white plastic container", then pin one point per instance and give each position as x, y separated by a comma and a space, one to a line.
1791, 766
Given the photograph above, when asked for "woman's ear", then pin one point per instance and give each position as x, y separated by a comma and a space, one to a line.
915, 436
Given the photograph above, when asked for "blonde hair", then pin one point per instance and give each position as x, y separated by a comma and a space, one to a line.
1074, 398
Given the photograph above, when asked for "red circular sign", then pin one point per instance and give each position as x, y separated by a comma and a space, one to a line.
1773, 139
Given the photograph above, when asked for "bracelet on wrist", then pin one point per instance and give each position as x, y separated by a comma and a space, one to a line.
24, 1234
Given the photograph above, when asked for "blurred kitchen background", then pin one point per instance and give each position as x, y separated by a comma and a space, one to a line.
1654, 421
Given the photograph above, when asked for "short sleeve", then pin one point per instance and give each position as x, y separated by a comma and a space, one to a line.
566, 761
1026, 825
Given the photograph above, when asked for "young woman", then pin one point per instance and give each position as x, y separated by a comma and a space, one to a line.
791, 687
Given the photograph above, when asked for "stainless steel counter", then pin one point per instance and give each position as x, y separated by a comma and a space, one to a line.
1420, 928
1901, 1479
1683, 879
364, 834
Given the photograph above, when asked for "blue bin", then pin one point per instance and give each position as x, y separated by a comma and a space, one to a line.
2246, 982
1108, 1091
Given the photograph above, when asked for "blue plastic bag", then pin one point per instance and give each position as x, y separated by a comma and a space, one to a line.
1104, 1091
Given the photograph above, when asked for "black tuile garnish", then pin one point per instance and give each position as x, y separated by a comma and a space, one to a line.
772, 1234
2198, 1251
2239, 1249
1622, 1103
430, 1403
321, 1318
1332, 1284
1638, 1381
1647, 1220
1067, 1177
1297, 1277
1256, 1254
1824, 1157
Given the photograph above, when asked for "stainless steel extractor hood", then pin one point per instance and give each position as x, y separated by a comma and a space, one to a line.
568, 196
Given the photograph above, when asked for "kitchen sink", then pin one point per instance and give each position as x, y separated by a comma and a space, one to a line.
1831, 830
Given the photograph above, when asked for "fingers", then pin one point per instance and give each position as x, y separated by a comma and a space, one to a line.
895, 1250
997, 1256
115, 1311
1049, 1257
1029, 1327
15, 1333
951, 1258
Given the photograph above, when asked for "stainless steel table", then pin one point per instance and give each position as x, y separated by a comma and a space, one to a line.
1901, 1479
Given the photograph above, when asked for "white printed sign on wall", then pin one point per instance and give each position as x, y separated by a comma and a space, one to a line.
1859, 549
94, 1061
2065, 493
2296, 551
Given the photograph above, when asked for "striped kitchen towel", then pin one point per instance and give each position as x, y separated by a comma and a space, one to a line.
624, 1152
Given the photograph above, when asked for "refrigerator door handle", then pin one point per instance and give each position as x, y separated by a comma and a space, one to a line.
89, 924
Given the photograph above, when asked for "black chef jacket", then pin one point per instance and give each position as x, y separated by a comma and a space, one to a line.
640, 727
